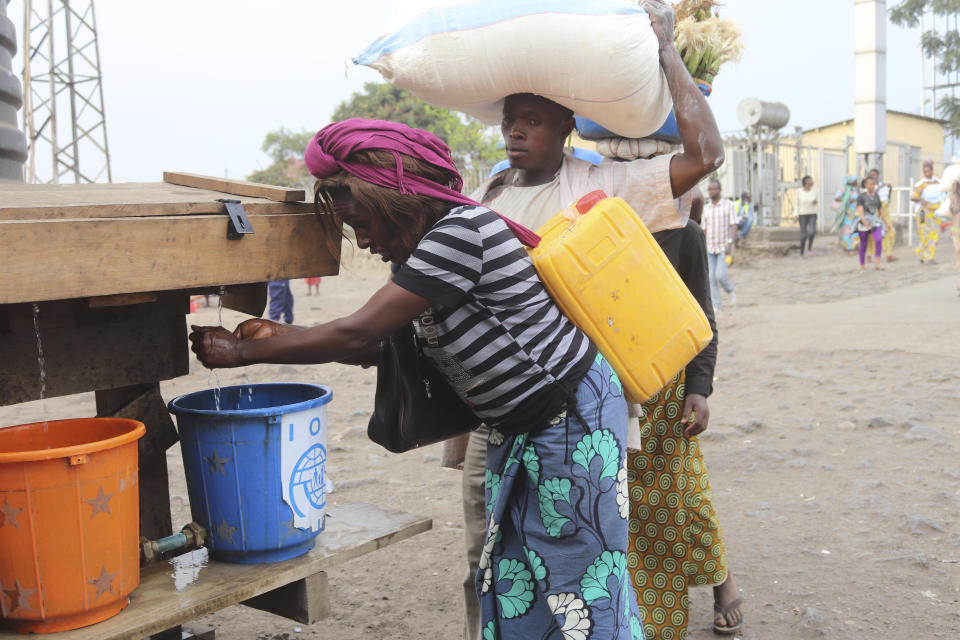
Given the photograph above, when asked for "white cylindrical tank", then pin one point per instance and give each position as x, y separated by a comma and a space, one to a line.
752, 112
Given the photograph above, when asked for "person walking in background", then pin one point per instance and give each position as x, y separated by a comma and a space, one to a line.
845, 204
720, 225
928, 198
311, 283
745, 218
869, 224
281, 301
884, 191
808, 208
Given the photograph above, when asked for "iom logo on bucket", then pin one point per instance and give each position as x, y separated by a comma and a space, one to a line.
308, 484
303, 461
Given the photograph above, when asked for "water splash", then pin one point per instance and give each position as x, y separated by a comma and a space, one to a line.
215, 383
249, 391
43, 368
187, 567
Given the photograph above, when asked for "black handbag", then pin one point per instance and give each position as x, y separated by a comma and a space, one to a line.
414, 405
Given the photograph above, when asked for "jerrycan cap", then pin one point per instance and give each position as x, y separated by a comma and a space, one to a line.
589, 201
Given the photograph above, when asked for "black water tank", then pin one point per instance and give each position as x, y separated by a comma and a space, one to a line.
13, 146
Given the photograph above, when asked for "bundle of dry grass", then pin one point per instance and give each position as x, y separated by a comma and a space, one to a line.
705, 40
696, 9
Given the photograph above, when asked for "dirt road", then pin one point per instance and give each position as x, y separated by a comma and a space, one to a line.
833, 452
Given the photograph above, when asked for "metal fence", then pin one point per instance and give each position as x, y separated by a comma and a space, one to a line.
902, 209
773, 178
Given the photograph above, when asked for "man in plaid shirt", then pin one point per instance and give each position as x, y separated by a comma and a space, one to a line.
720, 225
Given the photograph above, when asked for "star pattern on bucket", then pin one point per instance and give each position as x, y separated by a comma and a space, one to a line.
16, 598
103, 582
100, 502
8, 514
216, 463
225, 531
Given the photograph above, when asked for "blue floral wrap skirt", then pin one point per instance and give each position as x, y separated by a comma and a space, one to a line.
554, 566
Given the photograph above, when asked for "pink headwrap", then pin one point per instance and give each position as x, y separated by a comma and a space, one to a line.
327, 155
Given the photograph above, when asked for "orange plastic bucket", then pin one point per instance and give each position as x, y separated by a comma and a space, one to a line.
69, 522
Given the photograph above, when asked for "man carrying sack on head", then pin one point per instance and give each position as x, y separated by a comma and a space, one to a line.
542, 180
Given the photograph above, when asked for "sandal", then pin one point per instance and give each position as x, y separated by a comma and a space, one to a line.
722, 611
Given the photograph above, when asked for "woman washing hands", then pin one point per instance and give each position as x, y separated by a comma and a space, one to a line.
555, 558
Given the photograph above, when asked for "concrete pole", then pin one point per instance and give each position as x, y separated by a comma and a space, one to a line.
870, 82
13, 147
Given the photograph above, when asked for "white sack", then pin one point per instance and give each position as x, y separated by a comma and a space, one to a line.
597, 57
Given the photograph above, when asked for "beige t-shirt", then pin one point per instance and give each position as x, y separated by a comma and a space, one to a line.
807, 202
644, 184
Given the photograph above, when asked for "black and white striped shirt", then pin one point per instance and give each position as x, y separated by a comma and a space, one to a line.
493, 330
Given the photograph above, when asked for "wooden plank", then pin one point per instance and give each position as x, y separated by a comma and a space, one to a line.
306, 600
235, 187
61, 259
88, 349
70, 201
250, 299
352, 530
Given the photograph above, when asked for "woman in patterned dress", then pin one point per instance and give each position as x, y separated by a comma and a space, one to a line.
675, 538
554, 565
845, 204
928, 199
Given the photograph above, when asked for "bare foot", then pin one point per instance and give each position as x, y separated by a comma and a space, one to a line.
726, 607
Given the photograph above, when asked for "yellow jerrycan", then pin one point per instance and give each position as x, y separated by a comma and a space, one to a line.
605, 271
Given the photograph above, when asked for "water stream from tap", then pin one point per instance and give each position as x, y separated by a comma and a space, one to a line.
43, 367
213, 372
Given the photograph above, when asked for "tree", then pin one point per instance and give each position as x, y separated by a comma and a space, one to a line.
472, 144
285, 148
943, 46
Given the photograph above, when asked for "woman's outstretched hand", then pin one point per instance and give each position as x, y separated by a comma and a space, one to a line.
216, 348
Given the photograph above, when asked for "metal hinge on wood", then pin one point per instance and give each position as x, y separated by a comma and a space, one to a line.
238, 225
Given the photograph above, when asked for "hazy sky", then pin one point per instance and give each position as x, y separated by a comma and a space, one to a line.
194, 85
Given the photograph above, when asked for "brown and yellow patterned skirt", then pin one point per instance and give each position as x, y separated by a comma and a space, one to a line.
675, 538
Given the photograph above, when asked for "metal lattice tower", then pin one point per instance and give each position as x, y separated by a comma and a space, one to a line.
63, 93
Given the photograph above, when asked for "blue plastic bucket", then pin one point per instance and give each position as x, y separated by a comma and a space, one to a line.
256, 469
